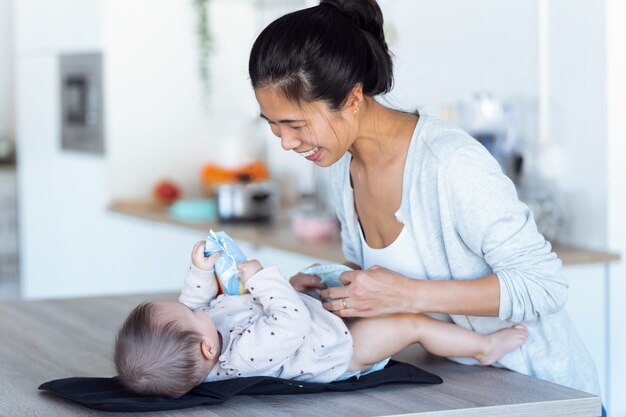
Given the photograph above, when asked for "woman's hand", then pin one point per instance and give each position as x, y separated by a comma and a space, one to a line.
306, 283
374, 292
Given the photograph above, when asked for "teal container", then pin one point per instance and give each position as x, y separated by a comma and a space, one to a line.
193, 211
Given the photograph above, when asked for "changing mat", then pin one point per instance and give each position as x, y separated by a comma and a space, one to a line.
108, 394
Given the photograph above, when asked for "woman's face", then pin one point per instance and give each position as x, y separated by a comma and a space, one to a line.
310, 129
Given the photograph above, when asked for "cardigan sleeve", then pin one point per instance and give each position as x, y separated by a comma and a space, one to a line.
341, 193
347, 246
494, 224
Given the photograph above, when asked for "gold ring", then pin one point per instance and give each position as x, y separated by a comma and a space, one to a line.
343, 301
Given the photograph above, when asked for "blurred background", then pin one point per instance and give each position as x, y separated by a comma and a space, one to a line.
110, 104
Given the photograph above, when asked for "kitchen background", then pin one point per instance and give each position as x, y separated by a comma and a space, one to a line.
557, 68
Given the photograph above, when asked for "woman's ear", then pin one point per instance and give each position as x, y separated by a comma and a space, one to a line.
355, 98
208, 350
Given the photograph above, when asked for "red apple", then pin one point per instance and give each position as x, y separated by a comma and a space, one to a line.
166, 192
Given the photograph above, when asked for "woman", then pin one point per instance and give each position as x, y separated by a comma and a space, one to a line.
427, 217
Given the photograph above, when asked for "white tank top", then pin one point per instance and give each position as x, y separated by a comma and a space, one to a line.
403, 257
400, 256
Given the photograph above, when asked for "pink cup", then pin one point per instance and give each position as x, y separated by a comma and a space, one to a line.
314, 229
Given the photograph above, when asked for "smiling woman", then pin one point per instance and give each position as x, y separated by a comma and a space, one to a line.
310, 129
428, 219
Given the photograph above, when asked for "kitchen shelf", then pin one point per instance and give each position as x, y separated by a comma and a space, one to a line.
278, 235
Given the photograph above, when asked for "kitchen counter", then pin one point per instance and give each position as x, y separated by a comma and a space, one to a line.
44, 340
278, 235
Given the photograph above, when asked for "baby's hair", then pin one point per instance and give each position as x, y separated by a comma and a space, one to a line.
157, 357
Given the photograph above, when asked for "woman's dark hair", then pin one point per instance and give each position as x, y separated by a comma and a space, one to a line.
322, 52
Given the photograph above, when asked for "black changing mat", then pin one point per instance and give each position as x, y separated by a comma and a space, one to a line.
108, 394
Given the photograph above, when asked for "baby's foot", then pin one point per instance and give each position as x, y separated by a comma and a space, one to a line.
502, 342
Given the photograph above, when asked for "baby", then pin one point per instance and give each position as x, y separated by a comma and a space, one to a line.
166, 348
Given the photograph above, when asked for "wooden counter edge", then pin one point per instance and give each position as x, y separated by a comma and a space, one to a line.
278, 235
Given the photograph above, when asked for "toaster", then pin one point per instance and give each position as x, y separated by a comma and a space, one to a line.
247, 202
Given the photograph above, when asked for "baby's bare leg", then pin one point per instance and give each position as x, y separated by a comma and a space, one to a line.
378, 338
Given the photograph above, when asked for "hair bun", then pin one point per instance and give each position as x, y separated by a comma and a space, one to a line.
365, 14
322, 52
332, 3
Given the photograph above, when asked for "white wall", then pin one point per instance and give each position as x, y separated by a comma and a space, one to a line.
616, 216
447, 49
6, 70
157, 122
576, 116
155, 126
155, 112
587, 101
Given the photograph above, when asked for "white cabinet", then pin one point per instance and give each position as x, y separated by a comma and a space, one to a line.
587, 308
8, 224
288, 263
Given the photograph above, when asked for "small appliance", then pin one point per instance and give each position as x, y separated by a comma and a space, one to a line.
246, 201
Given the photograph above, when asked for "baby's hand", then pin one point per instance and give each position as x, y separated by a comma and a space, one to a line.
199, 260
247, 269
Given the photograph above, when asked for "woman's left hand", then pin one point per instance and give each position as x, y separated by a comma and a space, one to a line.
377, 291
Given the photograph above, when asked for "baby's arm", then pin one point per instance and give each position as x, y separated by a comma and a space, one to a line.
200, 284
282, 327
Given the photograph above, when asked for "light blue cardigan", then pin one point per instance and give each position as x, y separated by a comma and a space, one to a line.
468, 223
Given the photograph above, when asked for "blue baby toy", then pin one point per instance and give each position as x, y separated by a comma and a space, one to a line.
329, 274
226, 265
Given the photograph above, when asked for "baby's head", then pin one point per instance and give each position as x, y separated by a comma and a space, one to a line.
165, 349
